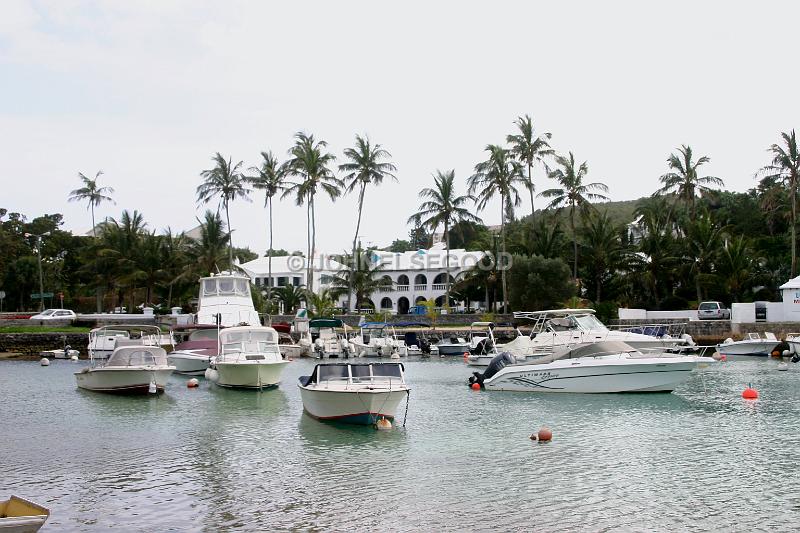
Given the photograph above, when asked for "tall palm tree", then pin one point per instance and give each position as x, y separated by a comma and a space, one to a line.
94, 194
684, 179
366, 165
499, 174
310, 163
785, 167
270, 177
443, 207
226, 181
573, 193
529, 149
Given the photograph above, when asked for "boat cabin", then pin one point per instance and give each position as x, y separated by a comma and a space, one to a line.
226, 298
355, 374
249, 343
140, 355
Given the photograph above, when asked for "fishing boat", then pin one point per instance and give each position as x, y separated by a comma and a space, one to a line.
377, 339
225, 300
103, 340
602, 367
65, 353
18, 515
357, 393
556, 328
453, 345
327, 341
754, 344
249, 357
131, 369
483, 346
289, 348
193, 355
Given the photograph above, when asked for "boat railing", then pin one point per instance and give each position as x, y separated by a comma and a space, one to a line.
363, 380
656, 329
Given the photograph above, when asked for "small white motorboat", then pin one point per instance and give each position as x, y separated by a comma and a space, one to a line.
18, 515
103, 340
66, 353
357, 393
193, 355
378, 339
602, 367
249, 358
327, 342
754, 344
130, 369
453, 345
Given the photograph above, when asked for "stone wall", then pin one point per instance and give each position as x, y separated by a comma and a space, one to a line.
442, 321
33, 343
713, 331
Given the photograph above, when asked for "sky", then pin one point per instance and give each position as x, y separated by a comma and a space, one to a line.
148, 91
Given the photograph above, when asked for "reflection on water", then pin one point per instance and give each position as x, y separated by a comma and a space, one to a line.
224, 460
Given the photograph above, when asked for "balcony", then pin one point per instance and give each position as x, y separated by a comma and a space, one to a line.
420, 287
401, 288
439, 286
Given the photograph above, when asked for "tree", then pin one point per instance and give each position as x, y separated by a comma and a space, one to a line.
208, 253
684, 180
736, 266
363, 275
539, 283
529, 150
443, 207
603, 251
310, 163
499, 174
270, 177
785, 167
704, 245
366, 165
321, 305
290, 297
94, 194
226, 181
573, 193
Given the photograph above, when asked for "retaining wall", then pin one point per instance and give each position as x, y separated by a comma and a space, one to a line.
33, 343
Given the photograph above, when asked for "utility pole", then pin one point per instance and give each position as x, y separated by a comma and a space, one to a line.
39, 254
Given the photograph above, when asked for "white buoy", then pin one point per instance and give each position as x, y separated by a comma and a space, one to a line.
783, 366
382, 423
211, 374
44, 361
152, 389
192, 383
74, 358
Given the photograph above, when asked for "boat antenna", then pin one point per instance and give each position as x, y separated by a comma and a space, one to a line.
218, 320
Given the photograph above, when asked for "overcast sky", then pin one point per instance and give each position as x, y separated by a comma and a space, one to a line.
147, 91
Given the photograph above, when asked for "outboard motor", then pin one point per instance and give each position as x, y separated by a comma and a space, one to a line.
495, 365
483, 347
424, 346
781, 349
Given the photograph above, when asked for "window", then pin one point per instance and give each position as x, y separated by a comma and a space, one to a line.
242, 287
296, 281
225, 286
209, 287
282, 281
258, 282
390, 370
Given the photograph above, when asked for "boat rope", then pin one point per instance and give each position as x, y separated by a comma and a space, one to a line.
408, 398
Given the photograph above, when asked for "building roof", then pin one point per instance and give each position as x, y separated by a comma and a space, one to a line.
793, 283
431, 259
289, 265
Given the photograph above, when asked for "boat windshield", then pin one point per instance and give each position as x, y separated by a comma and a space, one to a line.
249, 342
386, 369
203, 335
226, 286
137, 356
376, 332
589, 322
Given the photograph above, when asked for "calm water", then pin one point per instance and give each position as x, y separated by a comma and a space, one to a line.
210, 459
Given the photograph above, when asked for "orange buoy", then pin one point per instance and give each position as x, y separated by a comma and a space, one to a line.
750, 393
192, 383
723, 357
544, 434
475, 386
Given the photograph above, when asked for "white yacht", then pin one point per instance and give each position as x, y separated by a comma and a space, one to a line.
556, 328
357, 393
133, 367
225, 299
378, 339
103, 340
754, 344
249, 357
602, 367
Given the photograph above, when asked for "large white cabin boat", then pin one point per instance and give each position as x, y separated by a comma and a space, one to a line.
226, 297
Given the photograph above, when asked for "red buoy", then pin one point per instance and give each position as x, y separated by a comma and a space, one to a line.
544, 434
475, 386
750, 394
192, 383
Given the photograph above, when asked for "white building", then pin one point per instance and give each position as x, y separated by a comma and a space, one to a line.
415, 276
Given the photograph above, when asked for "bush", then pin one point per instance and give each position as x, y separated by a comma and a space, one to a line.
607, 311
536, 283
673, 303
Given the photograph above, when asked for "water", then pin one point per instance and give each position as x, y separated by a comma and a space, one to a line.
210, 459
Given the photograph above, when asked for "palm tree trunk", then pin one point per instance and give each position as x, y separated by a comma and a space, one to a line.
355, 238
308, 240
230, 238
447, 264
697, 286
530, 188
574, 243
794, 224
269, 261
503, 242
98, 293
313, 246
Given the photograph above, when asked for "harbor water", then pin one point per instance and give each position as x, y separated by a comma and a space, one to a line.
209, 459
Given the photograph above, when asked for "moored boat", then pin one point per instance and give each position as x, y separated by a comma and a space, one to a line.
193, 355
18, 515
754, 344
130, 369
357, 393
249, 358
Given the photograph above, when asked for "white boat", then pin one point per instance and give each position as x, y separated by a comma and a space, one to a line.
249, 358
225, 299
556, 328
134, 368
603, 367
66, 353
193, 355
103, 340
378, 339
483, 346
357, 393
18, 515
754, 344
327, 341
452, 344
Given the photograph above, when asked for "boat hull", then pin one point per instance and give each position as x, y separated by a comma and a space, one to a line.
189, 363
124, 380
250, 375
18, 515
355, 407
453, 349
755, 348
594, 376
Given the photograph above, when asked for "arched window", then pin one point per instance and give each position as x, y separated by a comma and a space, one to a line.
420, 279
386, 303
440, 279
419, 300
402, 279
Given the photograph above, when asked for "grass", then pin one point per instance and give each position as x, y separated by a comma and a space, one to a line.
43, 329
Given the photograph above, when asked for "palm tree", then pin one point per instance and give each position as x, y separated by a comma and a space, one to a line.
657, 243
290, 296
574, 193
604, 252
785, 167
529, 150
208, 252
684, 180
321, 304
270, 177
736, 266
94, 194
310, 163
704, 240
226, 181
500, 174
364, 276
443, 208
366, 165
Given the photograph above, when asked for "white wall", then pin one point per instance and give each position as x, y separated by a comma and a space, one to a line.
631, 314
642, 314
743, 313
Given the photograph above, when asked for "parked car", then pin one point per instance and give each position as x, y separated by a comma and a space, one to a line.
55, 314
713, 311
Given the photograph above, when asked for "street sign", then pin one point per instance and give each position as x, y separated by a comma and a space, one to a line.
2, 294
42, 295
